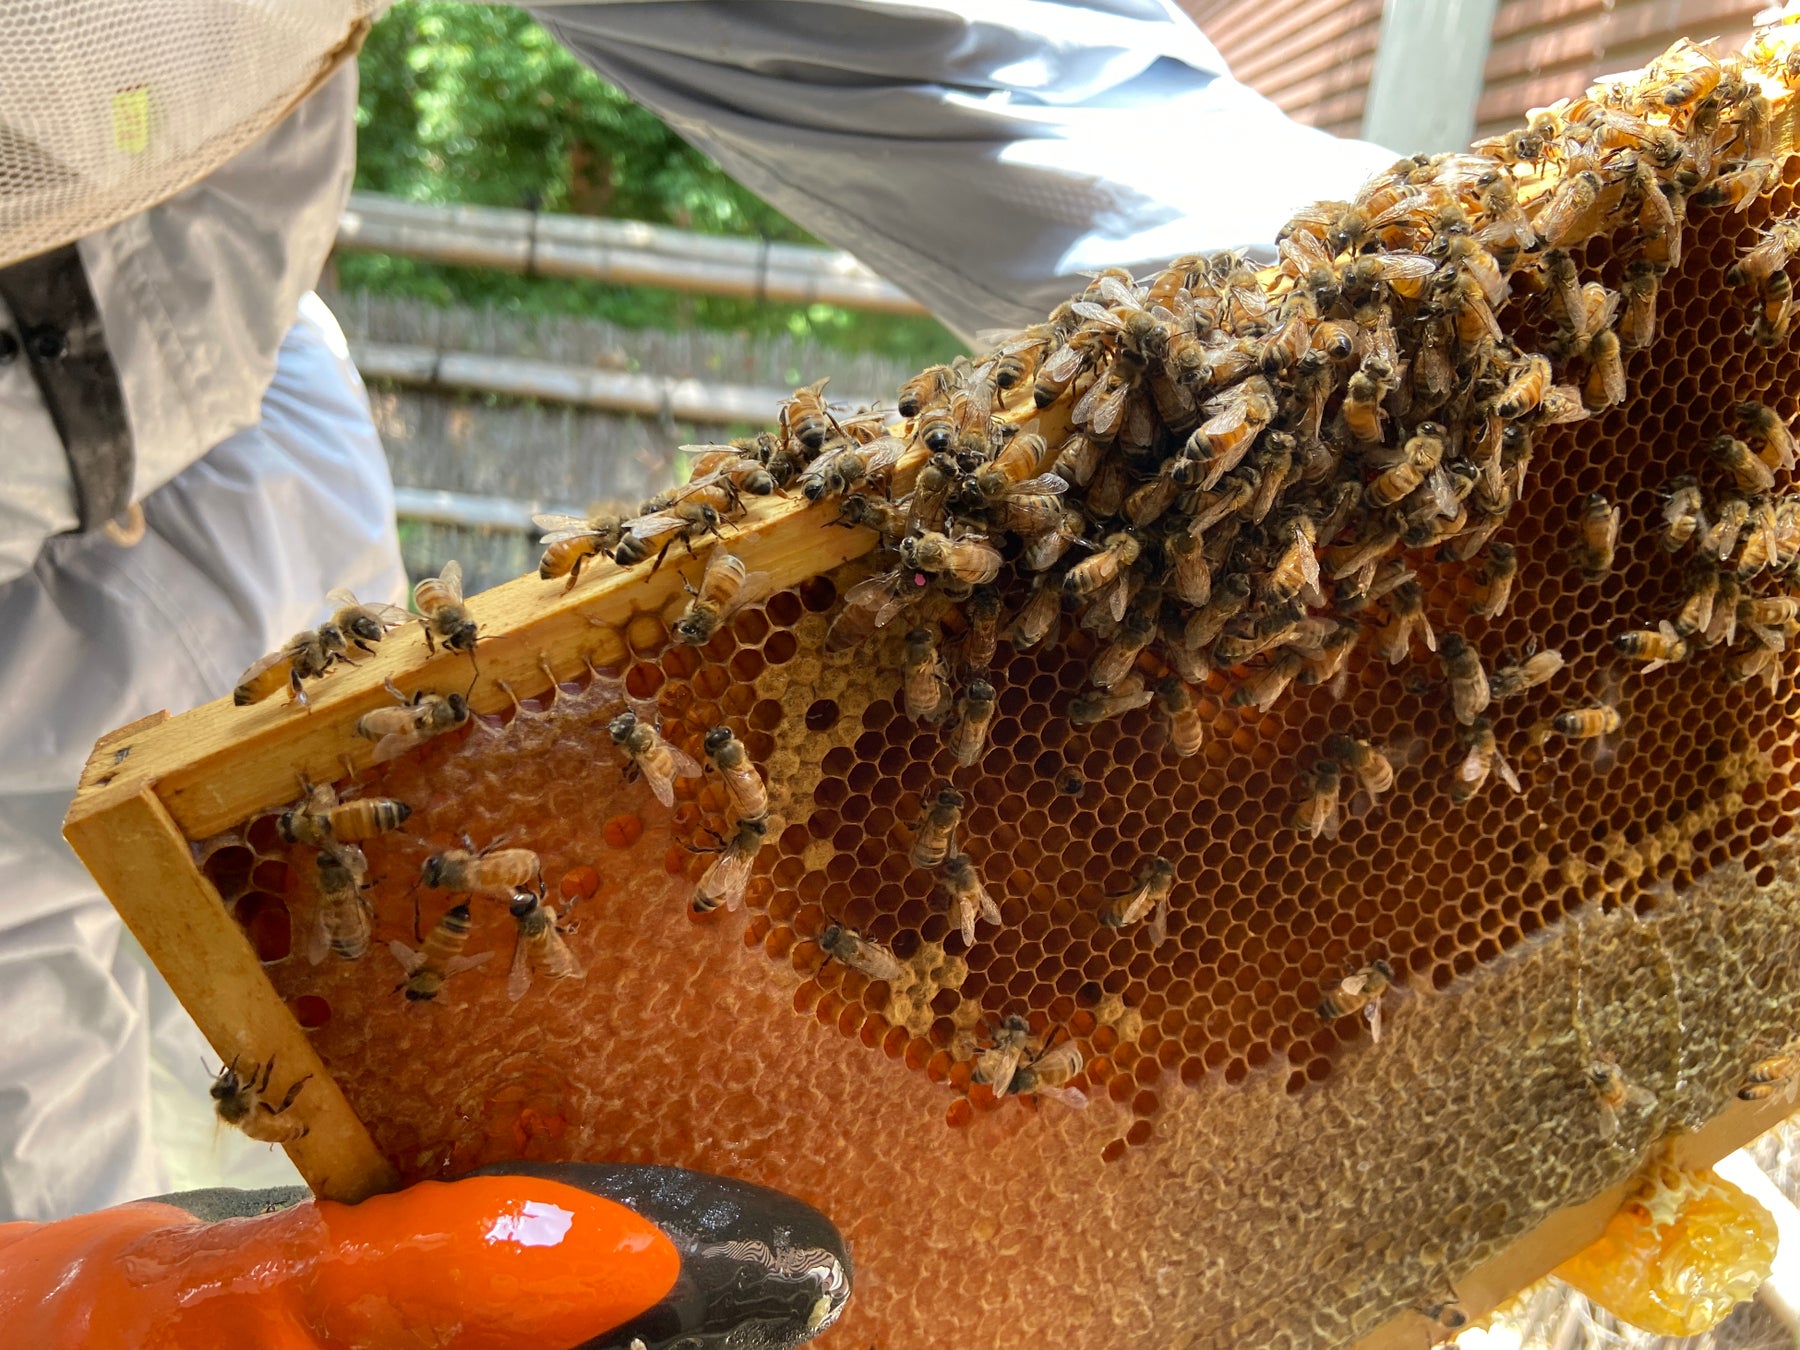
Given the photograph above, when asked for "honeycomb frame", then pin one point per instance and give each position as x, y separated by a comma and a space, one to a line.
1643, 932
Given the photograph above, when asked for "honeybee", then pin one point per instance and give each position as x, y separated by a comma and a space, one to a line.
861, 953
306, 656
1746, 470
725, 587
723, 883
1719, 537
1655, 649
1599, 538
1739, 188
1190, 578
875, 513
1374, 771
1043, 550
446, 619
683, 522
1568, 208
1361, 409
1418, 458
1469, 692
1238, 418
739, 466
968, 897
983, 635
241, 1101
805, 418
922, 681
997, 1064
1317, 813
322, 821
343, 921
1525, 390
1683, 512
1776, 1073
493, 871
1119, 657
1613, 1092
1101, 574
1496, 582
1406, 615
1637, 325
439, 958
1605, 382
1186, 731
1265, 687
1360, 991
973, 714
1771, 620
1148, 898
1757, 662
1037, 617
1094, 707
745, 792
539, 950
1048, 1072
852, 465
1768, 255
1583, 724
1775, 313
970, 559
926, 504
650, 755
937, 831
1697, 604
1296, 571
1765, 423
1444, 1309
1481, 760
569, 541
1534, 670
415, 721
925, 389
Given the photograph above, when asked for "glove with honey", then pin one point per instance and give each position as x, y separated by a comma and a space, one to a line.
520, 1255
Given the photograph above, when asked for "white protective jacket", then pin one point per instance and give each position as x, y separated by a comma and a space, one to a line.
978, 154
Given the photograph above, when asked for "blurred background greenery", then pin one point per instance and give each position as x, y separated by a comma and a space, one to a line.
478, 105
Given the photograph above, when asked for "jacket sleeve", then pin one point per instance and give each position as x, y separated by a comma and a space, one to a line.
979, 155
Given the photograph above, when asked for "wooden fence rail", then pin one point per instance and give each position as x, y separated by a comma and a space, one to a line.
625, 252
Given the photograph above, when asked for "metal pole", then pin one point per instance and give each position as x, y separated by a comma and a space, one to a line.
1428, 74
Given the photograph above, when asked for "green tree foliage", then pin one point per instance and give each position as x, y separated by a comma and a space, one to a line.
478, 105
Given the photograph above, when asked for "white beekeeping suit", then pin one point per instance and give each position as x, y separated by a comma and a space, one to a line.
980, 155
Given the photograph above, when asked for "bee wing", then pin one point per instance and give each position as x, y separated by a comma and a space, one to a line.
882, 454
389, 616
341, 597
409, 960
397, 743
1309, 560
725, 880
1609, 1121
1159, 923
1353, 985
1063, 363
1472, 769
265, 663
1068, 1096
1372, 1011
989, 910
965, 918
518, 978
1044, 484
654, 525
755, 586
456, 965
451, 579
1404, 266
731, 450
1116, 292
684, 764
557, 527
355, 862
318, 938
1118, 597
1098, 314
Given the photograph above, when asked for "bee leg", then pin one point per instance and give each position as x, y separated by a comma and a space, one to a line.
288, 1100
665, 553
267, 1070
430, 642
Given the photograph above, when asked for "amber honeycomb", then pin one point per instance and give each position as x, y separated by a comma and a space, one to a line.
1247, 1174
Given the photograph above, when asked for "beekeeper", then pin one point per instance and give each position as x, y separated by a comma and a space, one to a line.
187, 460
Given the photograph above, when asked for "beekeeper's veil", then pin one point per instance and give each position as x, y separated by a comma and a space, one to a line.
110, 106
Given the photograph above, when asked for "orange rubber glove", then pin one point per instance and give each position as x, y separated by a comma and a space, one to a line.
555, 1255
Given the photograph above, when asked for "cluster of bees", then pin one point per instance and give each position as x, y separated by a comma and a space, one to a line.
1221, 471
